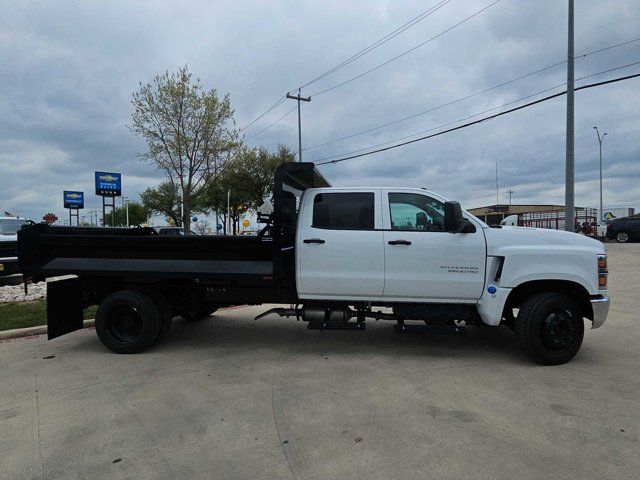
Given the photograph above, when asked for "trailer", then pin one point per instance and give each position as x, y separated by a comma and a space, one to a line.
585, 221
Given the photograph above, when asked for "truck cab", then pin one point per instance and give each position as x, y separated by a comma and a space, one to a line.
386, 244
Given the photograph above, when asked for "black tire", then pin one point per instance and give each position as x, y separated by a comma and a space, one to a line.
622, 237
128, 321
198, 312
550, 328
166, 311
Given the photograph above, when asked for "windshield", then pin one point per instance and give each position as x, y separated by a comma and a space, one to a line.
10, 226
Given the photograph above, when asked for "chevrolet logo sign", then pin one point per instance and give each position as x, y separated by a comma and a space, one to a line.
73, 195
108, 178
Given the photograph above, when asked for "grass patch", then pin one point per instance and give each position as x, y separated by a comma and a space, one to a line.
29, 314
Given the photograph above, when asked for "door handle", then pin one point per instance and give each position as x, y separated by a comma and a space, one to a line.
399, 242
313, 240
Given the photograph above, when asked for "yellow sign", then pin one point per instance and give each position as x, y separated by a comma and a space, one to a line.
245, 223
1, 267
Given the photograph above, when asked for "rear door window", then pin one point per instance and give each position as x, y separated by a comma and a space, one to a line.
344, 211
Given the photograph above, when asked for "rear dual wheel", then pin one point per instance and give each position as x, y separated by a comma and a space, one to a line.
129, 321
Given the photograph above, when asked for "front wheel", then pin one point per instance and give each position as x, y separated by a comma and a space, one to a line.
550, 328
622, 237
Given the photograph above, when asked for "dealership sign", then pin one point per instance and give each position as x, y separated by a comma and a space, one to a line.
108, 184
74, 200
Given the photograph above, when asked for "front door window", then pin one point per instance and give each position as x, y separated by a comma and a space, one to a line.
415, 212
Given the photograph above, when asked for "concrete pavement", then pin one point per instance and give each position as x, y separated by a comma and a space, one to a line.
232, 398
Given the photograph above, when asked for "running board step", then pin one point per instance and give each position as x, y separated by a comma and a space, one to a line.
438, 329
337, 326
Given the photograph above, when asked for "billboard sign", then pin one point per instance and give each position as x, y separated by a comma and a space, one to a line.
74, 200
108, 184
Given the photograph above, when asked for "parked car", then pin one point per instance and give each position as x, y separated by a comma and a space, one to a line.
9, 227
624, 229
173, 231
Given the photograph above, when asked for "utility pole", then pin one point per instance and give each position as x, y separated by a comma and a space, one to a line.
228, 211
600, 140
125, 201
299, 98
510, 192
569, 193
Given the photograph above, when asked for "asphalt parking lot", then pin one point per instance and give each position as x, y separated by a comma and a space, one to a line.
234, 398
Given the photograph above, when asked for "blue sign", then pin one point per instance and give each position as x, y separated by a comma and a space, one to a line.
74, 200
108, 184
219, 226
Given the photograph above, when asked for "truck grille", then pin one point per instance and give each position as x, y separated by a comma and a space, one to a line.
8, 249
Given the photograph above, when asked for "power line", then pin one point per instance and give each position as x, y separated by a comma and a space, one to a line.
393, 122
467, 97
381, 41
445, 124
405, 52
469, 116
271, 124
526, 105
280, 100
415, 20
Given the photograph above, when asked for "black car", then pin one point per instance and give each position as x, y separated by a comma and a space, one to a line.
624, 229
173, 231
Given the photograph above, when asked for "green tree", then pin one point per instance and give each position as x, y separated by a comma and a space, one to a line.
164, 200
190, 132
138, 215
247, 180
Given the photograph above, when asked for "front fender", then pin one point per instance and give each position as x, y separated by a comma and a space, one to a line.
576, 265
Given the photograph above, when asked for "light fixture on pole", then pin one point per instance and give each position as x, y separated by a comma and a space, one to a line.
600, 140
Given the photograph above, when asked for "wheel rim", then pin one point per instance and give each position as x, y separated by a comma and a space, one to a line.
623, 237
124, 324
558, 331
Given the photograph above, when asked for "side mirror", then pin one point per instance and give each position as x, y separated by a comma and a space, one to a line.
454, 222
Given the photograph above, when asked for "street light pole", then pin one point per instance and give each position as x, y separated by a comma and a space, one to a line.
600, 139
569, 192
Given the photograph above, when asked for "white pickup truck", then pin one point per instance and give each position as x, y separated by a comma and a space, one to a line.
9, 227
338, 254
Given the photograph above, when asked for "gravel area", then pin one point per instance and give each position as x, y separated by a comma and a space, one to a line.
15, 293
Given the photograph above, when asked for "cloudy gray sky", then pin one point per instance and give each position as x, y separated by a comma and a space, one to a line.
69, 68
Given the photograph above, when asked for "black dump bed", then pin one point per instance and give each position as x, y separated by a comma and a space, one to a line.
46, 251
141, 255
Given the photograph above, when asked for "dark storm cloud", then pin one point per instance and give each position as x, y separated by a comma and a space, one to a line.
69, 69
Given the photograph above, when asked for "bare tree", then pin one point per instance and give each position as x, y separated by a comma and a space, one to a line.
190, 132
202, 226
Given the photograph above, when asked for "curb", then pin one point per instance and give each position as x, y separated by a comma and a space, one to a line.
33, 331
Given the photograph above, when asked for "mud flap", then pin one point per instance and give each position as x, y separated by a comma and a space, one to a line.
64, 307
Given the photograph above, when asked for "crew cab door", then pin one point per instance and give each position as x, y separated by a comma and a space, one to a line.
422, 261
339, 245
